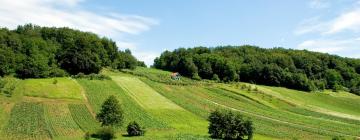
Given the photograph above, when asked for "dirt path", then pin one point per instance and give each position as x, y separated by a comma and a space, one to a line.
276, 120
86, 100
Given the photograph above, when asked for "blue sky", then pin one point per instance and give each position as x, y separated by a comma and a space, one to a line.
150, 27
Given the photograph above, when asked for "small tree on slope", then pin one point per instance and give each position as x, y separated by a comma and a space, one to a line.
229, 126
111, 112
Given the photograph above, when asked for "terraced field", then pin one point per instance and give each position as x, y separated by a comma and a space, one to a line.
40, 109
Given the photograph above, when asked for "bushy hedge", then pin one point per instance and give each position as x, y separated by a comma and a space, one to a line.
229, 126
105, 133
92, 76
134, 129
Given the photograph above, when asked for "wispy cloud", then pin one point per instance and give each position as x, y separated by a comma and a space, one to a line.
319, 4
69, 13
346, 21
311, 25
346, 47
336, 35
147, 56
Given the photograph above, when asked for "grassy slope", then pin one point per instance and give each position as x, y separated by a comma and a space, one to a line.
42, 113
272, 116
64, 88
98, 91
161, 107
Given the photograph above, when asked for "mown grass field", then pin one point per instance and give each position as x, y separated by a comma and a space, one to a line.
63, 88
168, 109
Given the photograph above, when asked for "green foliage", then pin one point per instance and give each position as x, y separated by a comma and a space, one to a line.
296, 69
159, 76
333, 78
134, 129
338, 138
141, 64
105, 133
55, 81
8, 85
215, 77
110, 113
2, 83
37, 52
91, 76
229, 126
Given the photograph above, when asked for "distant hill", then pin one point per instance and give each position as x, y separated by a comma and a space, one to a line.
296, 69
34, 52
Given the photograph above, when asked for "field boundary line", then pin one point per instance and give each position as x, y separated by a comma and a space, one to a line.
87, 104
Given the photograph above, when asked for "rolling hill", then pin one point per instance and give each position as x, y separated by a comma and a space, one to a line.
169, 109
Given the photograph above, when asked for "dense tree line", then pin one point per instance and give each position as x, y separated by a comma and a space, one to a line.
297, 69
34, 52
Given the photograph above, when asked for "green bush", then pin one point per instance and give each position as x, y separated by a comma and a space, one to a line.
55, 81
105, 133
111, 112
230, 126
87, 136
134, 129
2, 83
338, 138
91, 76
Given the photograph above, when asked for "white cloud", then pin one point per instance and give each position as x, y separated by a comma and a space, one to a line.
319, 4
310, 25
69, 13
147, 57
347, 47
346, 21
126, 45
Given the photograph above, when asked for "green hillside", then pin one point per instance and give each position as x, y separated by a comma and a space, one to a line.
170, 109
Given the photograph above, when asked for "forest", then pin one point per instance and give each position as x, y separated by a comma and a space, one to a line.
296, 69
31, 51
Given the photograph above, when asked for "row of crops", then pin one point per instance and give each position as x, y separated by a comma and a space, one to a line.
42, 121
278, 122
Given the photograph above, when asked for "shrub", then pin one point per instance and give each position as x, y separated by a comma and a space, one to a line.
338, 138
134, 129
228, 125
111, 112
87, 136
55, 81
105, 133
91, 76
2, 83
215, 78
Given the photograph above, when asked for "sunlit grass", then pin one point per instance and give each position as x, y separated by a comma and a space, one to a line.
64, 88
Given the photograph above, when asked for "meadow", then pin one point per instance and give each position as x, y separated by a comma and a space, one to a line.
168, 109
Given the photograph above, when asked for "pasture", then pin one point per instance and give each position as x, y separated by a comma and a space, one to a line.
40, 109
63, 88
